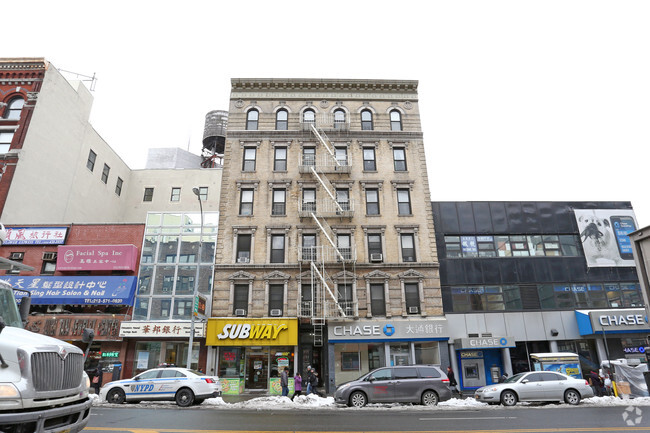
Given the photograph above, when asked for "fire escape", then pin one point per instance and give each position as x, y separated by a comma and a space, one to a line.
330, 253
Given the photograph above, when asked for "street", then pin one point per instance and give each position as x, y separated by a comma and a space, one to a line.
523, 418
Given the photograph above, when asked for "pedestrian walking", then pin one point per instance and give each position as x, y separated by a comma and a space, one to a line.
297, 386
97, 379
452, 379
284, 382
503, 378
313, 382
596, 383
308, 378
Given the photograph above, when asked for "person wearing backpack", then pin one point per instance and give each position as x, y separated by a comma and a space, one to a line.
313, 382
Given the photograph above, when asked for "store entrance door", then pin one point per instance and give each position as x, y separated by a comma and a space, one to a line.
257, 371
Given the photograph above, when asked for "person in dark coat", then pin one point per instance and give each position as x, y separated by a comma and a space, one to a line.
503, 378
97, 379
313, 381
308, 376
284, 382
452, 379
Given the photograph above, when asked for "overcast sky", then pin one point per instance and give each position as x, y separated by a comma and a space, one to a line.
520, 100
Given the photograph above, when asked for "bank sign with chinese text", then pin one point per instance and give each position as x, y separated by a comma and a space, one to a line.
161, 329
388, 330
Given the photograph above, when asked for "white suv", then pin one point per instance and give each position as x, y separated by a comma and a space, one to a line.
186, 387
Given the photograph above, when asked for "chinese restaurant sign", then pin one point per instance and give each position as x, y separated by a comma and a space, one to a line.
70, 327
96, 258
100, 290
35, 235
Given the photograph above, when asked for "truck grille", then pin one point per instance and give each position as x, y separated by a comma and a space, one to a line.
51, 373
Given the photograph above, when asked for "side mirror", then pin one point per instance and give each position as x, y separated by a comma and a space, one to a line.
23, 308
88, 335
525, 381
371, 379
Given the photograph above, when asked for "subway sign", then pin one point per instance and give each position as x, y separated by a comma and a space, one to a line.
252, 332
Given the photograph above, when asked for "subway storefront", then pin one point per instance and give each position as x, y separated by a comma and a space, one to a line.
250, 354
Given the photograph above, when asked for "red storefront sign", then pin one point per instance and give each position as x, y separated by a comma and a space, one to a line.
96, 258
71, 326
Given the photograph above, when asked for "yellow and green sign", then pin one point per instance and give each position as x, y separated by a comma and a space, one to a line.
252, 332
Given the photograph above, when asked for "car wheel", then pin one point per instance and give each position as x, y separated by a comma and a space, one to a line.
184, 397
115, 396
133, 402
571, 396
508, 398
429, 398
358, 399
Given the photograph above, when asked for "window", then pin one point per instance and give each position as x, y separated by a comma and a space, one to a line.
16, 257
345, 298
252, 118
105, 173
309, 247
309, 200
339, 119
366, 120
408, 247
148, 194
244, 248
403, 202
277, 248
377, 300
399, 158
176, 194
343, 198
118, 186
344, 246
374, 247
249, 159
92, 157
279, 206
203, 193
14, 108
519, 246
280, 160
246, 202
412, 297
309, 156
282, 120
341, 155
240, 298
372, 201
49, 263
309, 116
276, 299
5, 141
306, 300
395, 120
369, 163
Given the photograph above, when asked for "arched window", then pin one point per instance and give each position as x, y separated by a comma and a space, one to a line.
395, 120
282, 120
14, 108
339, 119
308, 116
366, 120
252, 118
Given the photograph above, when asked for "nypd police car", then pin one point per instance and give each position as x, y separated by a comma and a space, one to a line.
186, 387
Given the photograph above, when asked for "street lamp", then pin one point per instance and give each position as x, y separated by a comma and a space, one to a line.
196, 280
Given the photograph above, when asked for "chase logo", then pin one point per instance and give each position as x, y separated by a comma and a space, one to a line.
503, 341
389, 330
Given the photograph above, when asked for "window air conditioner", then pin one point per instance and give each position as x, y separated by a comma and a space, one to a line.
55, 308
240, 312
376, 257
17, 256
49, 256
243, 260
414, 310
276, 312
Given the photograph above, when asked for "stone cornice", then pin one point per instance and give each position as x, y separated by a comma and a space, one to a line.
320, 85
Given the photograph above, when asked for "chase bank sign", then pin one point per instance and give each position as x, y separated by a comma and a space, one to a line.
385, 330
619, 320
484, 343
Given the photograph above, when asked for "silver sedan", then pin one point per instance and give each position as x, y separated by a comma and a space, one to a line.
536, 386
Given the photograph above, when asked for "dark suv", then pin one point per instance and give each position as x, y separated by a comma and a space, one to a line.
425, 384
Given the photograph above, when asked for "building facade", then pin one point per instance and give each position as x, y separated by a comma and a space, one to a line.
534, 277
326, 238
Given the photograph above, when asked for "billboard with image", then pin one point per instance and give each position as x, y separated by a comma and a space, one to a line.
604, 236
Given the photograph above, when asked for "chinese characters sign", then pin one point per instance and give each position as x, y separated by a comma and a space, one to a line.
71, 327
386, 330
36, 235
96, 258
100, 290
162, 329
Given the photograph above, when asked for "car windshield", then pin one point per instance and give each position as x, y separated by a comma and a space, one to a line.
514, 378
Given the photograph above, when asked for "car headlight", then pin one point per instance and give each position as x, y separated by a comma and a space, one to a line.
87, 380
342, 387
8, 390
494, 388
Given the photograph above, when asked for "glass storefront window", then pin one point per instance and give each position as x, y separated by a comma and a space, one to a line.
231, 362
376, 356
427, 352
281, 357
399, 354
147, 355
168, 249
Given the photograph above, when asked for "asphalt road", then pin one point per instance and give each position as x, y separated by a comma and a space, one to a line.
548, 418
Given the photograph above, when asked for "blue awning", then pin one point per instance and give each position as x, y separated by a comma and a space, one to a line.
89, 290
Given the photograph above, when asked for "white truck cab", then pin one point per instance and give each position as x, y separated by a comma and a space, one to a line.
43, 386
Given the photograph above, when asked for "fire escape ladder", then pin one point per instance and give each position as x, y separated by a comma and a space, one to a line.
323, 281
